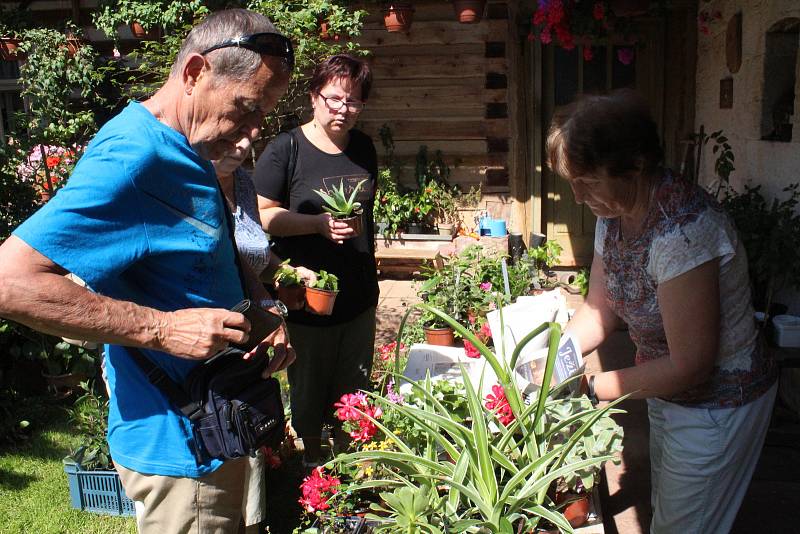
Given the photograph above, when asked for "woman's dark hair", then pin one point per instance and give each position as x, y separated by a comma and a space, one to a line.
615, 133
342, 66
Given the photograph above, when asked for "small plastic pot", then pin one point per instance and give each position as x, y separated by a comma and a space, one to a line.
294, 297
320, 301
354, 222
440, 336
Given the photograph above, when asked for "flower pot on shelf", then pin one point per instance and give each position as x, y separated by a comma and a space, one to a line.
440, 336
398, 17
320, 301
445, 229
415, 228
294, 297
469, 11
9, 49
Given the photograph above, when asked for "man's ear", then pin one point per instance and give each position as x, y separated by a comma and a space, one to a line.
194, 69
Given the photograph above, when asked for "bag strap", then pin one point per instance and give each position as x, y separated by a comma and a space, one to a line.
175, 393
290, 167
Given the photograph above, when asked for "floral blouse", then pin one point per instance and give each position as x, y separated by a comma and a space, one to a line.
685, 228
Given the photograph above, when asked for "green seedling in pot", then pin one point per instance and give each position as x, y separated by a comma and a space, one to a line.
339, 205
287, 276
327, 281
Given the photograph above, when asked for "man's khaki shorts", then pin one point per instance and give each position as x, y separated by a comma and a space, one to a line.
210, 504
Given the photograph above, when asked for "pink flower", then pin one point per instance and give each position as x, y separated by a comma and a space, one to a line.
485, 333
498, 403
366, 428
625, 55
273, 459
392, 395
347, 403
546, 37
486, 286
386, 351
470, 350
317, 488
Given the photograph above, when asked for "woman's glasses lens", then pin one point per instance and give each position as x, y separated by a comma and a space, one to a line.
337, 104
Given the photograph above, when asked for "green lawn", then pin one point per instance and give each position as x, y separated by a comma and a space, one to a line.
34, 497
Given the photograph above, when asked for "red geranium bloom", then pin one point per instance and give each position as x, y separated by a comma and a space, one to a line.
599, 11
498, 403
470, 350
317, 488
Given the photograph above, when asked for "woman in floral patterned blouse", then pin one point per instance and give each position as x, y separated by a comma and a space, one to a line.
669, 263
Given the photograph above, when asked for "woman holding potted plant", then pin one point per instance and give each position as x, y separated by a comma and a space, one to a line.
326, 154
669, 263
254, 254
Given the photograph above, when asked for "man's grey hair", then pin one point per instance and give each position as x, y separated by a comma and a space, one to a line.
232, 62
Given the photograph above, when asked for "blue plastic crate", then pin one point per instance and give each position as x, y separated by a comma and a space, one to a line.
99, 492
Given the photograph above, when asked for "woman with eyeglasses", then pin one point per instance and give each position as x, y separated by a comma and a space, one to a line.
334, 353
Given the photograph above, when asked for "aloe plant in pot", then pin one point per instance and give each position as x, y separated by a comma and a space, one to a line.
321, 296
342, 207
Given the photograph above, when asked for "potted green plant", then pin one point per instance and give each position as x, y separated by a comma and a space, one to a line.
493, 471
391, 208
291, 287
146, 20
321, 296
342, 207
542, 259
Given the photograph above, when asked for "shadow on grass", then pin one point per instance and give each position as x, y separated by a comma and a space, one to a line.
12, 481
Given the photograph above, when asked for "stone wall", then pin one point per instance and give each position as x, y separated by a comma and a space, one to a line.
771, 164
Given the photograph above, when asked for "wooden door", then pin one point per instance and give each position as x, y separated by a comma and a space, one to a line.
566, 75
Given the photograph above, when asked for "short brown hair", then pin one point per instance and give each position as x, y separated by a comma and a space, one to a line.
342, 66
614, 133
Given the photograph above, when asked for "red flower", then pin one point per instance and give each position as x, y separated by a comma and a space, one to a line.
540, 16
588, 55
546, 37
273, 459
52, 161
470, 350
317, 488
366, 428
485, 333
599, 11
498, 403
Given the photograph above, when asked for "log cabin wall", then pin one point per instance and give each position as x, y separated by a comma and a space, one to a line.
446, 85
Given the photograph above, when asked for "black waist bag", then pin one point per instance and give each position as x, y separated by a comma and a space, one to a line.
235, 411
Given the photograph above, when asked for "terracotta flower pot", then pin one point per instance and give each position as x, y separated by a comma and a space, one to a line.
577, 511
354, 222
440, 336
398, 17
294, 297
324, 32
139, 32
73, 43
320, 301
9, 49
469, 11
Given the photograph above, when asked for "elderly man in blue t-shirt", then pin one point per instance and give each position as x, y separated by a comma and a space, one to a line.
142, 222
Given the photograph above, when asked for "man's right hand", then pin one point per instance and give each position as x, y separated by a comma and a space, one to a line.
199, 333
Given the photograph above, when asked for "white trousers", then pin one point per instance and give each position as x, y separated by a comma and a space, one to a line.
702, 461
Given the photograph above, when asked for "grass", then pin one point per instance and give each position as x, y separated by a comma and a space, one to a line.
34, 496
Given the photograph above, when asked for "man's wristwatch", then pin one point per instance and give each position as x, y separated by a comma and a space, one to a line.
591, 394
280, 307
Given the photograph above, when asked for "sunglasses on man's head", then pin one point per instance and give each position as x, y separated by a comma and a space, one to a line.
267, 44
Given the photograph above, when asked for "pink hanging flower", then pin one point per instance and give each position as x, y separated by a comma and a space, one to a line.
498, 403
625, 55
317, 488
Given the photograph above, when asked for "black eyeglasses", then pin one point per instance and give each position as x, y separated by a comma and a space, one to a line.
337, 104
267, 44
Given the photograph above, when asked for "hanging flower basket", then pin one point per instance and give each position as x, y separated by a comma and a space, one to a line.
398, 17
469, 11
